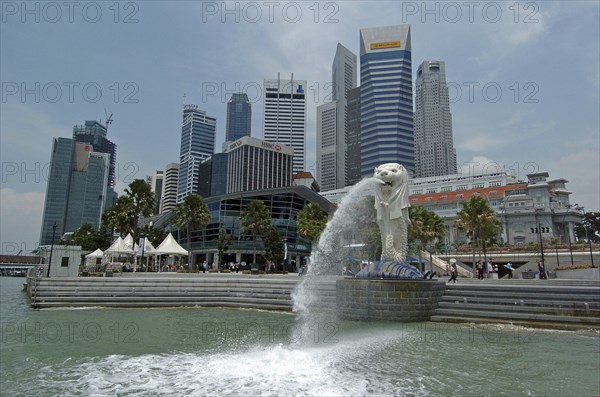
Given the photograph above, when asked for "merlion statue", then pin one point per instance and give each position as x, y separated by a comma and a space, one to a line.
391, 204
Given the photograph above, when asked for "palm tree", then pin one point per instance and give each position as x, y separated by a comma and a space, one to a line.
426, 227
311, 221
192, 213
223, 244
255, 220
142, 198
120, 216
476, 219
274, 248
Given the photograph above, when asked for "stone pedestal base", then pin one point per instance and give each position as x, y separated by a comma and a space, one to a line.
388, 300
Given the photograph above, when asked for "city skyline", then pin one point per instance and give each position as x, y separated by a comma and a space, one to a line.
509, 110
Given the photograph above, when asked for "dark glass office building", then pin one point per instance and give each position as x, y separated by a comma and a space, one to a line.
78, 188
239, 117
386, 98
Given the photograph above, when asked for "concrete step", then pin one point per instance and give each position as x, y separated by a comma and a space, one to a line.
522, 309
66, 304
592, 321
529, 302
523, 294
524, 323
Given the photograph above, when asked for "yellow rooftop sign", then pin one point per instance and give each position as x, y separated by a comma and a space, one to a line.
385, 44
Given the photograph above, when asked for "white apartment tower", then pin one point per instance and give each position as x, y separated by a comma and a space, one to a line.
284, 116
434, 148
169, 192
332, 161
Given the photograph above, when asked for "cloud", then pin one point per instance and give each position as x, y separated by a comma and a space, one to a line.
21, 215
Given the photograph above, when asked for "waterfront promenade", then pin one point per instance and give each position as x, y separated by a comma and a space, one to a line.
554, 303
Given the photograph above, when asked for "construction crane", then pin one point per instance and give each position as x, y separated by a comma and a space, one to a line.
109, 119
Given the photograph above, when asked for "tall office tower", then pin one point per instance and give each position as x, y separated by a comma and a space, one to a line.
169, 193
254, 164
239, 117
434, 148
284, 116
78, 185
353, 175
156, 182
331, 123
93, 133
197, 144
327, 147
386, 101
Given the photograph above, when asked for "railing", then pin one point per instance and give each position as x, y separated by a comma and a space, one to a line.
443, 266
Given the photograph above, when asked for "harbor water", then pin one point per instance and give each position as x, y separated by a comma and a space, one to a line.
206, 351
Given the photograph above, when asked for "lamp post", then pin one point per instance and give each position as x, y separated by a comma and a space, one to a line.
585, 225
51, 248
569, 234
539, 230
143, 244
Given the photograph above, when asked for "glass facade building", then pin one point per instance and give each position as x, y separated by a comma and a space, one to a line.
284, 205
434, 145
197, 144
239, 117
386, 98
284, 116
78, 188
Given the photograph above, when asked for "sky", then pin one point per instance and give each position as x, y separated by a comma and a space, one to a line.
523, 77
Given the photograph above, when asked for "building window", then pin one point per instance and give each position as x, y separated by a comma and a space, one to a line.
462, 187
64, 261
460, 195
433, 190
446, 189
478, 186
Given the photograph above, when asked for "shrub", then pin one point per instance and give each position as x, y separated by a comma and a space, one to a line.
575, 267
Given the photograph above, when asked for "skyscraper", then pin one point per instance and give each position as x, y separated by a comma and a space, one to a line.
156, 185
434, 148
332, 164
77, 190
169, 192
353, 136
254, 164
239, 117
284, 116
386, 102
94, 133
197, 144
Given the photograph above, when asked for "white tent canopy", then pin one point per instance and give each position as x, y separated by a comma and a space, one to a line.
96, 254
128, 240
169, 247
148, 248
120, 247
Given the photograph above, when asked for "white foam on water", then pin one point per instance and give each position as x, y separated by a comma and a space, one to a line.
336, 369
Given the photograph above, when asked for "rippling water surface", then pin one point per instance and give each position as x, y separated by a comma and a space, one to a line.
181, 352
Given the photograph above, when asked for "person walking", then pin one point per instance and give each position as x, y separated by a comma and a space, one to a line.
542, 270
479, 267
509, 269
453, 270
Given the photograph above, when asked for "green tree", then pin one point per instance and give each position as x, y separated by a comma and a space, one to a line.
223, 244
274, 248
155, 235
120, 216
143, 200
425, 228
255, 220
89, 238
311, 221
591, 222
475, 217
192, 213
488, 235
